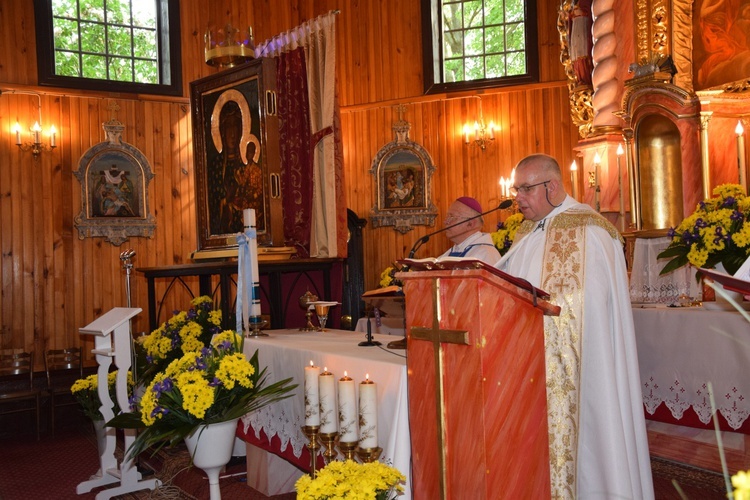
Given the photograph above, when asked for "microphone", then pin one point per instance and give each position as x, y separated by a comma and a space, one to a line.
424, 239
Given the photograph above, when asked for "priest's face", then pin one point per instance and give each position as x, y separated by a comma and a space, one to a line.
531, 184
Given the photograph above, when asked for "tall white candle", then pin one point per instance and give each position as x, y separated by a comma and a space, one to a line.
36, 131
368, 414
347, 410
620, 152
52, 136
574, 179
740, 131
17, 130
328, 416
312, 397
248, 216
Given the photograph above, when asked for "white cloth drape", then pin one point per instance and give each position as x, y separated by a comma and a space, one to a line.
317, 38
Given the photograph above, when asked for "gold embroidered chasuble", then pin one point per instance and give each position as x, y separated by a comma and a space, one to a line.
563, 277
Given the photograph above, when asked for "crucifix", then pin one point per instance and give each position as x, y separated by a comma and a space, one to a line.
438, 337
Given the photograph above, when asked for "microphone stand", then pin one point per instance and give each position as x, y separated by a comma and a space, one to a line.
424, 239
369, 342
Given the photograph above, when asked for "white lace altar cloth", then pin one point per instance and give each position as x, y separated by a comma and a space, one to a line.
681, 350
285, 353
647, 286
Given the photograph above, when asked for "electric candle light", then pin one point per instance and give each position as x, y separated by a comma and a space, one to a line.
492, 130
312, 397
574, 179
328, 417
740, 131
36, 130
476, 130
347, 410
466, 133
52, 136
368, 414
17, 130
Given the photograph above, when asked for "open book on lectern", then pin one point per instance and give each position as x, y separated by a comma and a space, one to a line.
451, 263
728, 281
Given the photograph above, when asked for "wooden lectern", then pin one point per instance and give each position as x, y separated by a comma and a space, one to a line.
477, 398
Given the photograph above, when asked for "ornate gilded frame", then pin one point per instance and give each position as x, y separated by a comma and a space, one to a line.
403, 183
114, 177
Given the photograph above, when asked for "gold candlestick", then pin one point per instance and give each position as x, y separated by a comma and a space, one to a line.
348, 449
311, 431
329, 441
304, 303
369, 454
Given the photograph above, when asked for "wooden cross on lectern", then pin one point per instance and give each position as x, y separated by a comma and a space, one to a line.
439, 337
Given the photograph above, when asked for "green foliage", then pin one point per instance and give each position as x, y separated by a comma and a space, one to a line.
483, 39
134, 44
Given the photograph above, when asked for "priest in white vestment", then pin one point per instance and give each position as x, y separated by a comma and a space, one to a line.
598, 445
467, 237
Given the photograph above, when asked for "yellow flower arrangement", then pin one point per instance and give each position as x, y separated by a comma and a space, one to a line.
506, 233
717, 232
351, 480
207, 380
387, 277
85, 391
185, 332
741, 485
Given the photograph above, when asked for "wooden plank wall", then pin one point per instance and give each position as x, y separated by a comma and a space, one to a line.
53, 282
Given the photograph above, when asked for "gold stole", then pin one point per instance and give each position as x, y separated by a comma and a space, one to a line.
563, 277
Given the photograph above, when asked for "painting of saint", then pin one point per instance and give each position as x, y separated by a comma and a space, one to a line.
234, 176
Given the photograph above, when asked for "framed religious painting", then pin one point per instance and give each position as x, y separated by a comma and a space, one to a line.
403, 174
236, 154
114, 177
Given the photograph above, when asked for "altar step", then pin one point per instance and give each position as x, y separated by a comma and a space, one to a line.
698, 447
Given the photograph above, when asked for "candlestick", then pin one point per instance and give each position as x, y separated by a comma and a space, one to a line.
347, 410
466, 133
312, 396
620, 152
368, 414
740, 131
311, 431
574, 179
328, 416
52, 136
17, 130
36, 131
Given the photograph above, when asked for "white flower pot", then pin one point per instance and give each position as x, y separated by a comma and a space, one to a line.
210, 448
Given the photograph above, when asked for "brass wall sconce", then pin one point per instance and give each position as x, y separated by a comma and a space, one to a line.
481, 134
36, 146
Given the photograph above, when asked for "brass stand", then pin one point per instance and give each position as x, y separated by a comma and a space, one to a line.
304, 303
329, 441
311, 431
348, 449
369, 454
256, 323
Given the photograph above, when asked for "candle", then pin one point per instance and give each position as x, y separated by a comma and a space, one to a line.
574, 179
740, 131
620, 152
368, 414
312, 398
347, 410
248, 216
492, 130
52, 134
328, 417
502, 187
17, 130
476, 131
36, 131
597, 188
466, 133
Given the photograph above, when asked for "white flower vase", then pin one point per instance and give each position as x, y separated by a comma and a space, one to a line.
210, 448
721, 303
